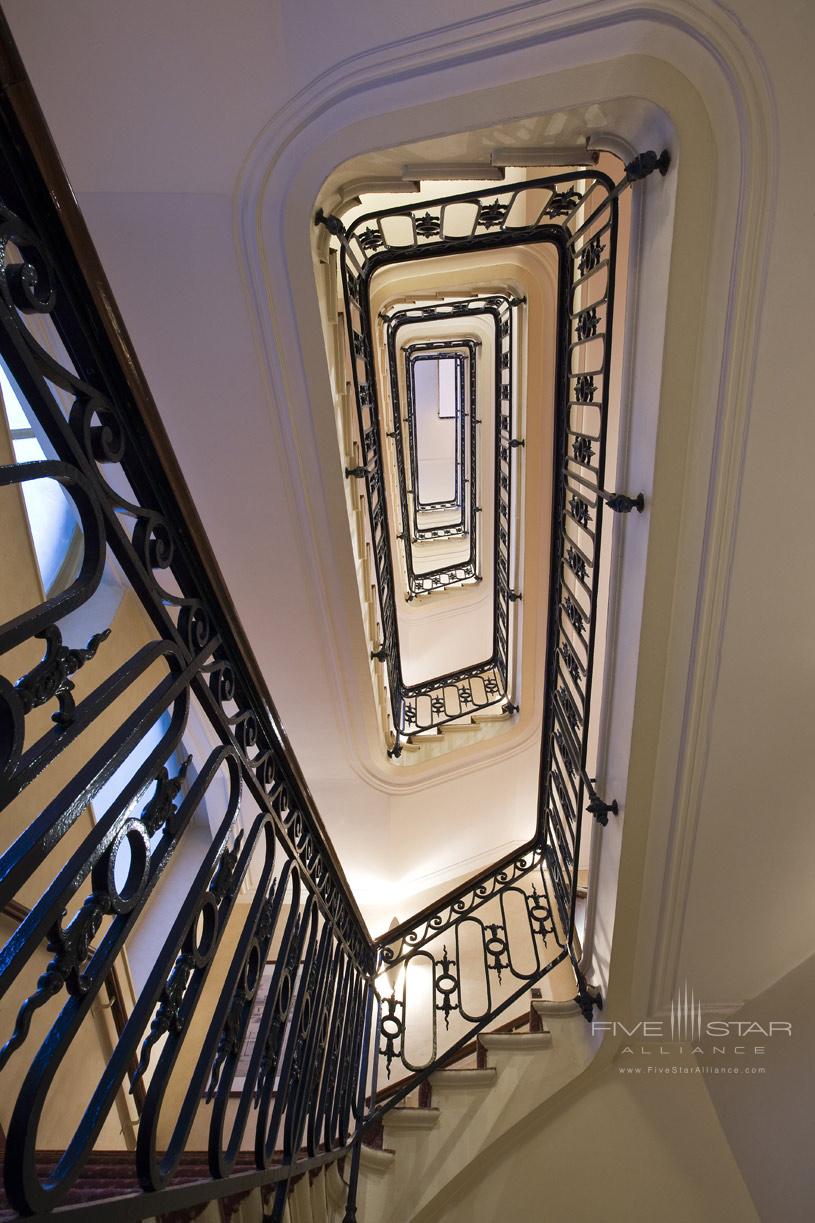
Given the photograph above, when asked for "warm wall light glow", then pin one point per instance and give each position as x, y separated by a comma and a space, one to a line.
391, 982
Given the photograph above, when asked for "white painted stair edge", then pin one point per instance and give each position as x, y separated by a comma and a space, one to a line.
411, 1119
517, 1042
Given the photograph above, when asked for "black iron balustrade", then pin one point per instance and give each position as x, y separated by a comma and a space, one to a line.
99, 777
445, 698
578, 214
466, 525
461, 963
415, 356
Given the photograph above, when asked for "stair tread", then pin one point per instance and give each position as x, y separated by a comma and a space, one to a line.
412, 1118
519, 1041
464, 1077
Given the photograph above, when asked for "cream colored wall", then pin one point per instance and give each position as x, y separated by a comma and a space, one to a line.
627, 1153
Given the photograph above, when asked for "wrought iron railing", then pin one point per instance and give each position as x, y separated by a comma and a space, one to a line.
141, 758
415, 356
578, 214
151, 800
465, 524
448, 697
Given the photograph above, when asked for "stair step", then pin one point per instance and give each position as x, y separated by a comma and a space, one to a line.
518, 1042
411, 1118
464, 1078
457, 728
549, 1006
421, 736
372, 1159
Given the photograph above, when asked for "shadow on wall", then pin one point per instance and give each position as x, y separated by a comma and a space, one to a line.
764, 1116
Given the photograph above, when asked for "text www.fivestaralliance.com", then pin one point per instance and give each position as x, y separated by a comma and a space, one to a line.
691, 1070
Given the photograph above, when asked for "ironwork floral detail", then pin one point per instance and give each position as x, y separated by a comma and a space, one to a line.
561, 203
565, 753
229, 1042
579, 510
51, 677
465, 695
161, 806
370, 239
224, 881
496, 948
573, 613
584, 388
569, 710
446, 986
587, 324
491, 214
539, 913
428, 226
570, 660
70, 946
582, 450
168, 1015
391, 1028
576, 563
590, 255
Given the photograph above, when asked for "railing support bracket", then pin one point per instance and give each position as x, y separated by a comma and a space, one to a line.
621, 503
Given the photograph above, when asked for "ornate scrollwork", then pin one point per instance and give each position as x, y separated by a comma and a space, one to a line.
370, 239
104, 442
492, 214
161, 807
50, 678
582, 450
585, 388
587, 324
579, 510
562, 203
428, 226
168, 1015
590, 255
70, 946
391, 1029
446, 986
573, 613
576, 563
28, 286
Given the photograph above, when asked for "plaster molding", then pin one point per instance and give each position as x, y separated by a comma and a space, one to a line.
736, 79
